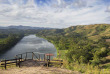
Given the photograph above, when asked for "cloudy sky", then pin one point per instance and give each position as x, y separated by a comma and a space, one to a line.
54, 13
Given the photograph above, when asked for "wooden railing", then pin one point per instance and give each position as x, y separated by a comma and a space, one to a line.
58, 62
33, 55
5, 63
19, 58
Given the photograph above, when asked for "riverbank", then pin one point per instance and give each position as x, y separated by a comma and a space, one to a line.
8, 42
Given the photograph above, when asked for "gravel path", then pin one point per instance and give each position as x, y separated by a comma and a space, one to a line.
37, 70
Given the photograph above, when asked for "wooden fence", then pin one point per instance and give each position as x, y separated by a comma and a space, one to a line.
5, 63
19, 58
34, 56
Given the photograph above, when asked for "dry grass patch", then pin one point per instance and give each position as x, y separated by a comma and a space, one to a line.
37, 70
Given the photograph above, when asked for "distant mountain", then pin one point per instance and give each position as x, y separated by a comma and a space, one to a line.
23, 27
3, 27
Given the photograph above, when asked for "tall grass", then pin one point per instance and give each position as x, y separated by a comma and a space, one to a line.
85, 68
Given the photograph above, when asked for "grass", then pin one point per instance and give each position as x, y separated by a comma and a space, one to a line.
83, 68
86, 68
106, 66
38, 70
103, 68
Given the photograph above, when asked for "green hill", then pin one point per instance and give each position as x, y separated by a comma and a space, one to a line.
81, 44
93, 32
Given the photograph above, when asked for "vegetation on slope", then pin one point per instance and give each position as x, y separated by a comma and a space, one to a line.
82, 44
7, 41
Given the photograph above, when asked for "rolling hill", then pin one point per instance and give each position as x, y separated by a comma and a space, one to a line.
82, 44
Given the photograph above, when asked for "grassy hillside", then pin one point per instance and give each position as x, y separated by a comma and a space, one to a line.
81, 45
93, 32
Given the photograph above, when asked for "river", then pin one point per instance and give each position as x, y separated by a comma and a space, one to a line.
30, 43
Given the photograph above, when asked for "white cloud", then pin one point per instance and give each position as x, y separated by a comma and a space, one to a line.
57, 14
108, 9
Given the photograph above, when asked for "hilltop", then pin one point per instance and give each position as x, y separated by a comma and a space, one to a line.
93, 32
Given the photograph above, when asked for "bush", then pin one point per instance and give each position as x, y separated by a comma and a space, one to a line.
95, 62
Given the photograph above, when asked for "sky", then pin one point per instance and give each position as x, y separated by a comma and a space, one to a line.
54, 13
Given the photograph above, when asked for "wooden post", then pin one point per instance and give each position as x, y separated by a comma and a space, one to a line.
39, 57
32, 55
44, 57
49, 57
16, 62
47, 63
5, 64
19, 62
26, 56
21, 57
61, 63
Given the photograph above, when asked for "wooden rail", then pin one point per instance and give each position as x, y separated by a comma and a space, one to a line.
26, 54
5, 63
60, 62
19, 58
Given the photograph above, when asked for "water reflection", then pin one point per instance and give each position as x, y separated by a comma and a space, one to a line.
30, 43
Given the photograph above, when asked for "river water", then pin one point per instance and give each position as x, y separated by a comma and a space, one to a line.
30, 43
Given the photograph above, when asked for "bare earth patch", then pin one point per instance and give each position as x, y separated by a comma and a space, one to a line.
37, 70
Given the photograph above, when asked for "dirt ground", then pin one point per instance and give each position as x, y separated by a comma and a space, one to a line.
37, 70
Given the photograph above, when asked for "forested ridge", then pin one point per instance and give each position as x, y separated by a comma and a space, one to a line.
8, 38
81, 44
7, 41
